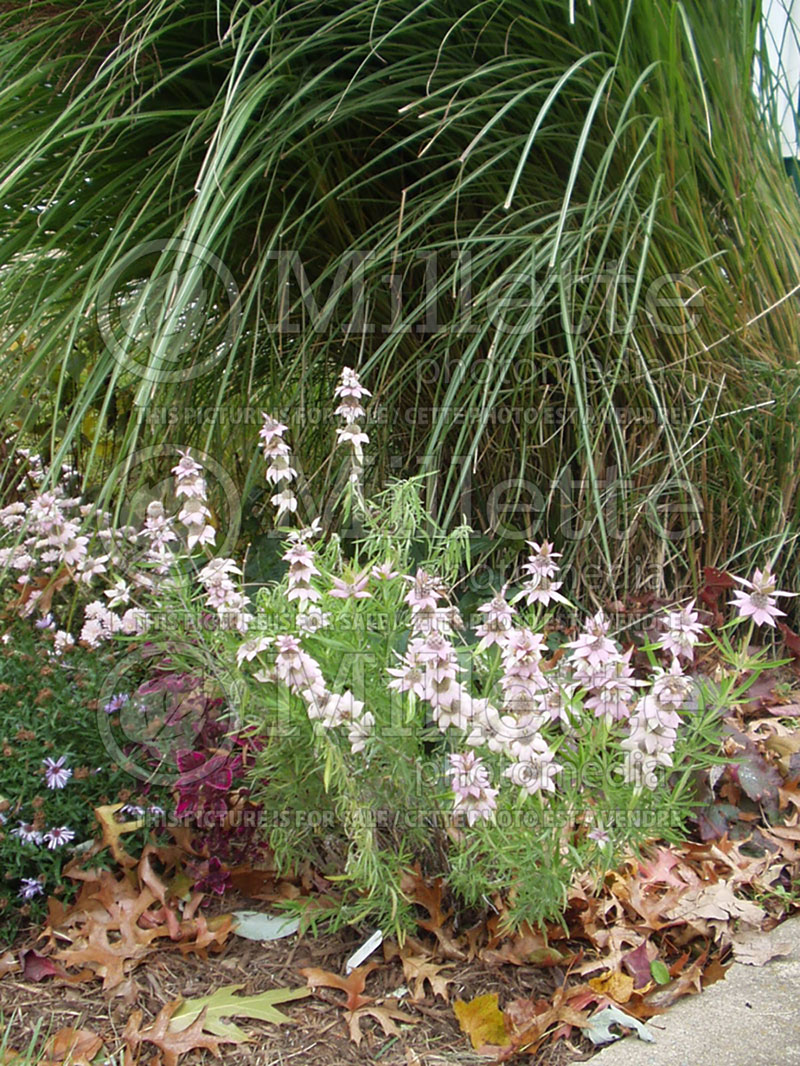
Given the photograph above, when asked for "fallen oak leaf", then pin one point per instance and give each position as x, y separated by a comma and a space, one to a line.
661, 870
532, 1020
415, 888
113, 830
224, 1004
109, 937
617, 986
76, 1046
791, 640
419, 969
352, 985
171, 1044
208, 933
754, 948
716, 902
46, 586
385, 1016
482, 1020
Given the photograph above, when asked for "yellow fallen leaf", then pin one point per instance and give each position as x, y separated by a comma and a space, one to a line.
615, 985
482, 1020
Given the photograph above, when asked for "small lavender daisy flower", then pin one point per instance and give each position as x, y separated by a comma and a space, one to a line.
58, 835
599, 836
30, 887
26, 832
116, 703
133, 809
57, 772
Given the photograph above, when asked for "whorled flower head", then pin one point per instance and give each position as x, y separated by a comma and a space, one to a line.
592, 644
759, 602
537, 772
474, 796
682, 630
498, 621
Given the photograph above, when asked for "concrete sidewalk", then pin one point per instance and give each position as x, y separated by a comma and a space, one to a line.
750, 1018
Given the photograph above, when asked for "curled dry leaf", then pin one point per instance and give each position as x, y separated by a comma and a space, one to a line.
36, 967
75, 1046
482, 1020
112, 830
171, 1044
352, 985
385, 1016
418, 969
617, 986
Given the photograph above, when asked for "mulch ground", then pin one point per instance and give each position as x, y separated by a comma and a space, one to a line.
320, 1033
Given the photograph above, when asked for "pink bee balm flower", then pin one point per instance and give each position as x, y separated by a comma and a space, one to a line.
296, 668
542, 560
251, 648
271, 429
426, 590
384, 572
469, 774
354, 436
410, 675
499, 620
358, 730
354, 589
536, 771
759, 602
349, 385
285, 501
682, 631
542, 589
593, 645
473, 795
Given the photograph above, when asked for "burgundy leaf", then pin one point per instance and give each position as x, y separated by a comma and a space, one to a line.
637, 963
36, 967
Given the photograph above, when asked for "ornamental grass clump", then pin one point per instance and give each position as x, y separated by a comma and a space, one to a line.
508, 749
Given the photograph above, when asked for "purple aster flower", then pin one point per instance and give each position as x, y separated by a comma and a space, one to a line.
27, 833
58, 835
57, 772
30, 887
600, 836
116, 703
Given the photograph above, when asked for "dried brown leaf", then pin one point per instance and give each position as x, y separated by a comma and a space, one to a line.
352, 985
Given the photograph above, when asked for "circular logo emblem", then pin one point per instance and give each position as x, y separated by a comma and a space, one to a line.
167, 724
169, 310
